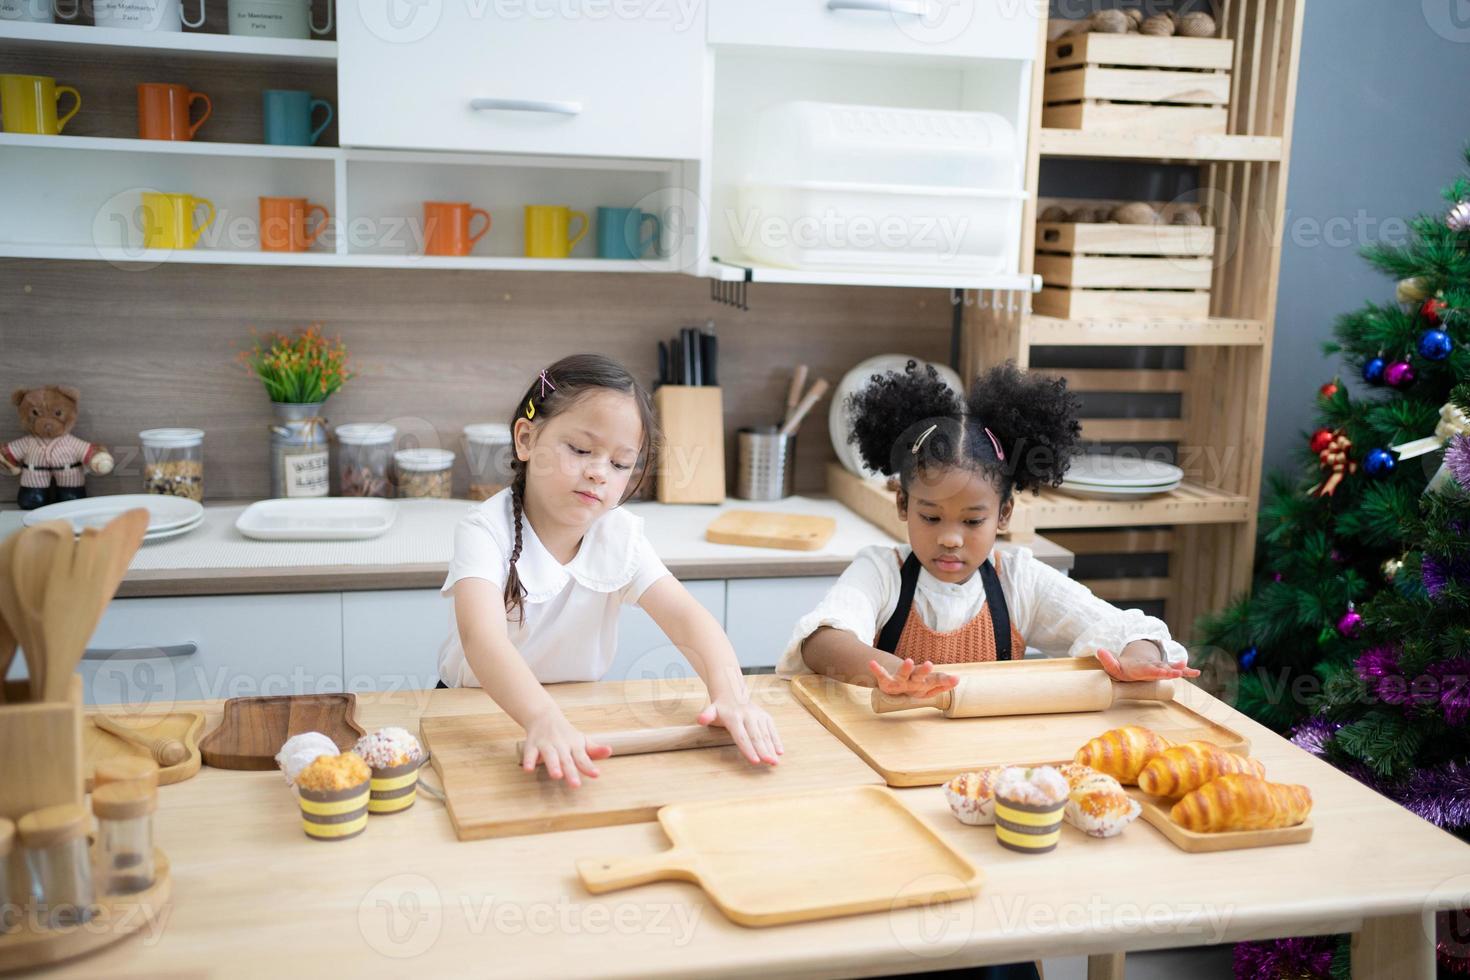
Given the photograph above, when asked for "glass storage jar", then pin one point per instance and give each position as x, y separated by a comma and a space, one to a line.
173, 462
54, 839
364, 458
488, 452
124, 769
124, 853
424, 472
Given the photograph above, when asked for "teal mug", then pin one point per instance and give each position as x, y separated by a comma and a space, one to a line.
620, 233
287, 114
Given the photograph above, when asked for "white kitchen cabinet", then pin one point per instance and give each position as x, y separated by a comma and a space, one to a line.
152, 652
579, 77
390, 639
644, 653
760, 614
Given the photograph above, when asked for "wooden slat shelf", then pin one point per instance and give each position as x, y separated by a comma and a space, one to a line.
1078, 143
1129, 589
1210, 332
1190, 504
1133, 430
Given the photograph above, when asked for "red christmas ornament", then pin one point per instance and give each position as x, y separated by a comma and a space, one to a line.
1431, 310
1329, 389
1320, 440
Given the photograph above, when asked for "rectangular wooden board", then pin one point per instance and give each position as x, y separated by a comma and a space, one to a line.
1137, 120
1141, 51
923, 748
771, 529
874, 502
489, 795
1156, 812
1120, 304
252, 730
1138, 85
99, 746
1125, 271
1116, 239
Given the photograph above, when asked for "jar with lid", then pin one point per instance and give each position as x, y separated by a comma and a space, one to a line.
125, 769
488, 452
173, 462
54, 840
124, 854
9, 908
364, 457
424, 472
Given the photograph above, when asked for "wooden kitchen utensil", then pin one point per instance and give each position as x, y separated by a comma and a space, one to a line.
924, 748
642, 741
1014, 688
1156, 812
166, 750
252, 730
30, 569
7, 651
10, 608
772, 860
100, 743
766, 529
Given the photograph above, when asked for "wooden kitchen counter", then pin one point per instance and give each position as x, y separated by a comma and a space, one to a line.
254, 897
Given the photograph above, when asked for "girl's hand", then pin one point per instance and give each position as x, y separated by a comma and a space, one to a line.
1140, 661
566, 752
910, 681
752, 729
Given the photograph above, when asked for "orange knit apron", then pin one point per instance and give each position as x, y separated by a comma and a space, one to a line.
972, 643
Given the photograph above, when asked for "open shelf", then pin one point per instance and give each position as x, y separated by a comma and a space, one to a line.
1080, 143
21, 35
1190, 504
1211, 332
198, 148
733, 272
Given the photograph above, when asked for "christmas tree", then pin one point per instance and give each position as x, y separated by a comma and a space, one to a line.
1355, 639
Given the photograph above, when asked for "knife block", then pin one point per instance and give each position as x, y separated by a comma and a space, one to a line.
691, 466
43, 753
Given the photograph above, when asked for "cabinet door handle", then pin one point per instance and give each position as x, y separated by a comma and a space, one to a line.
141, 653
532, 105
913, 8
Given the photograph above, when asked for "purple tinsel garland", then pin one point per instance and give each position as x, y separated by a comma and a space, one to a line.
1457, 460
1452, 680
1314, 733
1307, 956
1440, 795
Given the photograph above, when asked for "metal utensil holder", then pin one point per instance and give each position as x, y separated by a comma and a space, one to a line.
765, 464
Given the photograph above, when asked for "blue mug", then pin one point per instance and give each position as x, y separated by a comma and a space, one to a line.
287, 114
620, 233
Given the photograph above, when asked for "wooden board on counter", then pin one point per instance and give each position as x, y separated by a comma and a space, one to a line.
924, 748
99, 746
771, 529
253, 730
1156, 812
489, 795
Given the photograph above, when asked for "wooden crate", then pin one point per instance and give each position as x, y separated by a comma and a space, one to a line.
1140, 85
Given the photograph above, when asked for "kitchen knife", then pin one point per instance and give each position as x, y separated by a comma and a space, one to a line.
696, 355
686, 346
663, 363
709, 346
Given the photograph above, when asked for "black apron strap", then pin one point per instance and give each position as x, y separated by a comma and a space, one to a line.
1000, 616
908, 578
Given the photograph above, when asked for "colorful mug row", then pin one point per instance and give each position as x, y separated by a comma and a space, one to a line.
169, 221
30, 104
250, 18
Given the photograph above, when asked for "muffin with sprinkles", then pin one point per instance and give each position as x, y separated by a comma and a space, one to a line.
395, 757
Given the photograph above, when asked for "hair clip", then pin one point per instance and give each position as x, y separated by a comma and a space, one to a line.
545, 383
996, 443
531, 407
919, 442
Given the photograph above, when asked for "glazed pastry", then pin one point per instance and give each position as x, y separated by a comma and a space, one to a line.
971, 796
1185, 768
1099, 807
1242, 802
335, 772
1122, 752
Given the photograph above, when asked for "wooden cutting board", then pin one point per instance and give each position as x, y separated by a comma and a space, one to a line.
253, 730
772, 860
99, 746
1156, 812
923, 748
766, 529
489, 795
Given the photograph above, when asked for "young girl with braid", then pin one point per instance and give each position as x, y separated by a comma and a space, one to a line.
950, 596
540, 570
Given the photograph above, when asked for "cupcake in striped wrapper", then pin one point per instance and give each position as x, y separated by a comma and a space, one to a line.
333, 793
1029, 804
395, 757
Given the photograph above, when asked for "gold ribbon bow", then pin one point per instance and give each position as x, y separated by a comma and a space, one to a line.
1334, 457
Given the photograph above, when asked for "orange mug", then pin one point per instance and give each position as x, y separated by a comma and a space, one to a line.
283, 224
447, 227
163, 111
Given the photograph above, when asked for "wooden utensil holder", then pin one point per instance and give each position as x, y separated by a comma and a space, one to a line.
691, 467
43, 751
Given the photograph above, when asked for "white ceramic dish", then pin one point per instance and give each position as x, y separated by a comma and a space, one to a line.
164, 512
317, 519
1124, 472
172, 532
839, 425
1116, 493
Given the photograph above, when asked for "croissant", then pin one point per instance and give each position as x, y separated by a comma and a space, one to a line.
1184, 768
1122, 752
1242, 802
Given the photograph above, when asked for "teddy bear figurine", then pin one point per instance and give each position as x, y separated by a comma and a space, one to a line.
51, 462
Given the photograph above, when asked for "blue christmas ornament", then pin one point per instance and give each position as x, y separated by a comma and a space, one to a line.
1248, 658
1379, 462
1435, 345
1373, 370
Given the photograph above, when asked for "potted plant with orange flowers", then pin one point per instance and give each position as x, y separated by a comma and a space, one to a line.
300, 373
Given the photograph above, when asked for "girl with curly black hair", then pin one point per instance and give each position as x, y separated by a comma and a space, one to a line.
951, 597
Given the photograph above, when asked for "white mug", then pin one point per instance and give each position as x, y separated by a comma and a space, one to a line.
275, 18
31, 11
143, 15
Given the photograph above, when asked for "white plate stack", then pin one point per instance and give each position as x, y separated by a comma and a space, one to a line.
168, 517
1100, 477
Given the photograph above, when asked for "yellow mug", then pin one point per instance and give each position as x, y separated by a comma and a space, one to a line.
548, 231
28, 104
168, 220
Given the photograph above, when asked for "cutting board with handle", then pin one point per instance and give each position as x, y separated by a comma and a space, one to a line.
252, 730
773, 860
923, 747
770, 529
99, 745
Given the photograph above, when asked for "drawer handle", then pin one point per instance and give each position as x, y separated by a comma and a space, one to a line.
141, 653
531, 105
913, 8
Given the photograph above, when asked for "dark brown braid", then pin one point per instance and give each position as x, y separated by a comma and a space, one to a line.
553, 391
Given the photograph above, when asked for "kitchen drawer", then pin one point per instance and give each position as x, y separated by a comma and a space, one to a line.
391, 639
581, 78
760, 614
155, 651
644, 653
925, 28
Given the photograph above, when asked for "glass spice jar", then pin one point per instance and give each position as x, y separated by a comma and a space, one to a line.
488, 452
125, 769
9, 909
173, 462
124, 853
54, 839
364, 455
424, 472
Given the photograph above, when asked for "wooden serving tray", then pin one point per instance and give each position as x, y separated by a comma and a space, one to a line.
99, 746
771, 529
1156, 812
253, 730
768, 861
923, 748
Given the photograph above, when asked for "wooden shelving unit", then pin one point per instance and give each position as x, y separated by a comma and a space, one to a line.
1207, 527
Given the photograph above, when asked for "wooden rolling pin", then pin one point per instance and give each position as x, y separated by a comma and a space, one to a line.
165, 751
1029, 694
640, 741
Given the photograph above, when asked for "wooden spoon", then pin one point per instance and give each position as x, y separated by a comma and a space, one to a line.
36, 549
165, 751
7, 652
9, 606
